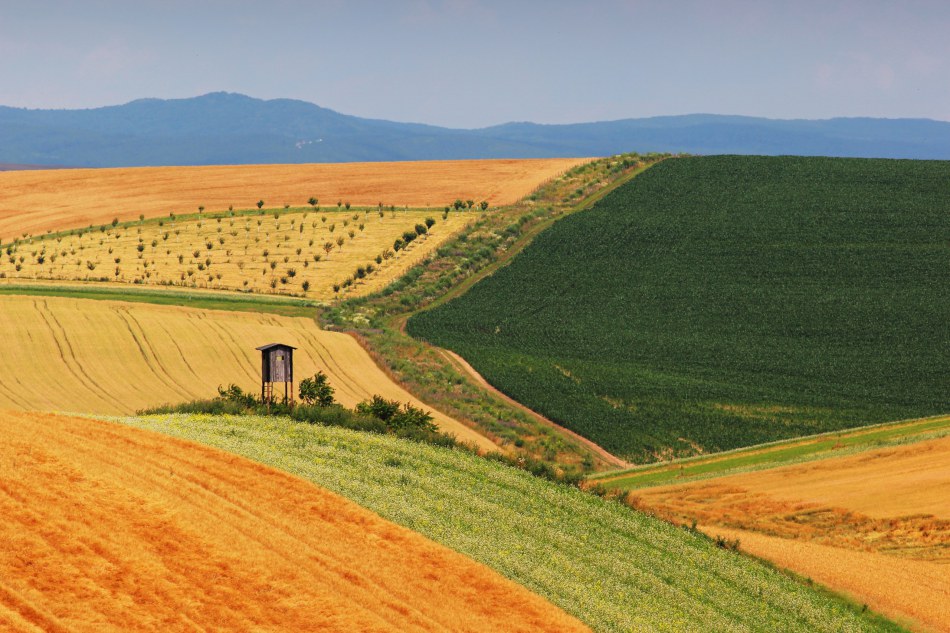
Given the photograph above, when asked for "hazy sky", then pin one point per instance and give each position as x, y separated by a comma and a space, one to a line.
472, 63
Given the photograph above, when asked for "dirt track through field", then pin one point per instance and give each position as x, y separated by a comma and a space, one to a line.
34, 201
463, 365
112, 528
77, 355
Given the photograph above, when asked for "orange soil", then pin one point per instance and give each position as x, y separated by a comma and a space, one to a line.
913, 593
875, 525
35, 201
112, 528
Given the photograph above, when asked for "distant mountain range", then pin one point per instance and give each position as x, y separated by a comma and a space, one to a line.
225, 128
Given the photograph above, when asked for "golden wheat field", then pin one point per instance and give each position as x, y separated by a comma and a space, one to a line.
914, 593
875, 524
33, 202
109, 528
88, 356
318, 254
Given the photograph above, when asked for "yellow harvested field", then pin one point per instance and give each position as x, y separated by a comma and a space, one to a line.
36, 201
110, 528
312, 254
882, 483
90, 356
875, 524
893, 500
911, 592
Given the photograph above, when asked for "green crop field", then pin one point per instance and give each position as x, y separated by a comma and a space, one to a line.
720, 302
615, 569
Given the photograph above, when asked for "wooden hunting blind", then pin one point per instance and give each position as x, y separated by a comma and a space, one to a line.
277, 365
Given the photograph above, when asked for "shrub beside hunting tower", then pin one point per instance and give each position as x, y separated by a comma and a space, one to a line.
277, 365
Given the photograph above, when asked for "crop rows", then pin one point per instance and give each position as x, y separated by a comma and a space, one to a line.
615, 569
720, 302
316, 253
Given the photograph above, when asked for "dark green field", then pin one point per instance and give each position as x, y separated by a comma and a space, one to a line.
719, 302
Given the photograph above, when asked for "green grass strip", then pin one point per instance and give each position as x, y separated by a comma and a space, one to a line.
615, 569
775, 454
284, 306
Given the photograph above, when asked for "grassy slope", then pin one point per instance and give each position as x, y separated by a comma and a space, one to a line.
615, 569
724, 301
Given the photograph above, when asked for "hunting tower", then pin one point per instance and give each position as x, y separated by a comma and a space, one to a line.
277, 365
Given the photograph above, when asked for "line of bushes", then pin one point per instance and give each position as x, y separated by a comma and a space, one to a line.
374, 415
317, 406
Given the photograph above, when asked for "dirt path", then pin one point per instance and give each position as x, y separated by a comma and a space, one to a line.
108, 528
464, 365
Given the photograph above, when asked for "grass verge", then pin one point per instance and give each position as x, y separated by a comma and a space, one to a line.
774, 454
283, 306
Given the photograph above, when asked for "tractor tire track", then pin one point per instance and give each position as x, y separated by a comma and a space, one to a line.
180, 536
181, 352
143, 344
69, 359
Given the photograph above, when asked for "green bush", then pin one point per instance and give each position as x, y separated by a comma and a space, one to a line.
316, 390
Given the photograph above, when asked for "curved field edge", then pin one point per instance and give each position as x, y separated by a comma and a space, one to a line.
202, 299
720, 302
36, 201
112, 528
69, 354
774, 454
614, 569
378, 320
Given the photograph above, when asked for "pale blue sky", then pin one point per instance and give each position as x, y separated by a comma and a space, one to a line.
472, 63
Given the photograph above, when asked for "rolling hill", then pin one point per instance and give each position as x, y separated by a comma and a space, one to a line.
81, 355
223, 128
720, 302
872, 521
110, 528
610, 567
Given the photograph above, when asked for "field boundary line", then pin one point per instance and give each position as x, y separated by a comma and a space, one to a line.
464, 365
941, 420
503, 260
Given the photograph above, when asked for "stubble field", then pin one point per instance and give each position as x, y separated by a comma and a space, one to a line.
884, 510
36, 201
112, 357
109, 528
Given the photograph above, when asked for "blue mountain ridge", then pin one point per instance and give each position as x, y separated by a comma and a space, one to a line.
227, 128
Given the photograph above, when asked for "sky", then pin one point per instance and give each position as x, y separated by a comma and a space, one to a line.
475, 63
